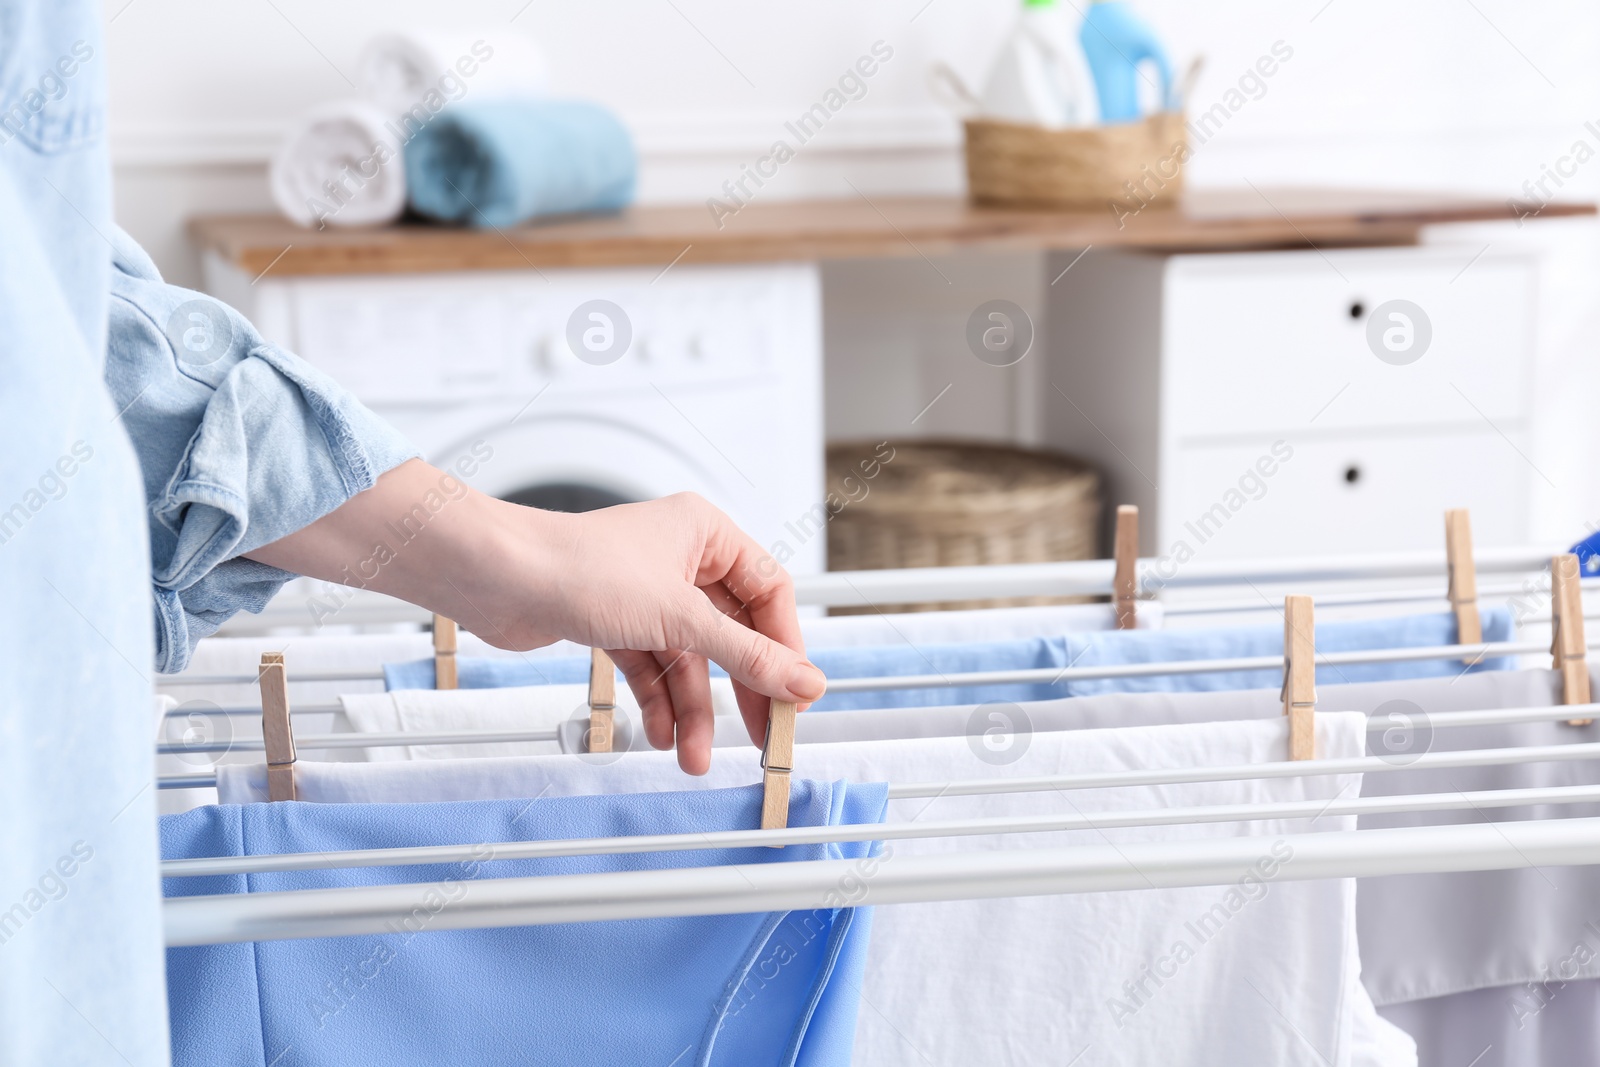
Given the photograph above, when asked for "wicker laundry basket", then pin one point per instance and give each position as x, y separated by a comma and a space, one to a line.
955, 503
1015, 165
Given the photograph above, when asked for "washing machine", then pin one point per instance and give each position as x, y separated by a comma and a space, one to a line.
577, 389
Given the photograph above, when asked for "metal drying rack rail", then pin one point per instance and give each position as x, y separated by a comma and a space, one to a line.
978, 875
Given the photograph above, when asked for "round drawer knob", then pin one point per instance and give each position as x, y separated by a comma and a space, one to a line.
1352, 474
1358, 310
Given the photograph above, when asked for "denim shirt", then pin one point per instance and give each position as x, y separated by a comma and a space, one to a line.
81, 975
241, 443
99, 499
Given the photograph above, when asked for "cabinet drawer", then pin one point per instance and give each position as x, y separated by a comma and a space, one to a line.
1269, 342
1367, 493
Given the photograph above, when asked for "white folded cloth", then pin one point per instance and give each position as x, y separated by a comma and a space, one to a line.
401, 69
1267, 972
534, 707
340, 166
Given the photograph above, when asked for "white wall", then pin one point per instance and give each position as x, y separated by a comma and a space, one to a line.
1425, 93
1432, 94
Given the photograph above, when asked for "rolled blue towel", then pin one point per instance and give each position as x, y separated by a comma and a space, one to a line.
501, 162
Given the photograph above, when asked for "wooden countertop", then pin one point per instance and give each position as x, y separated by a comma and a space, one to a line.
1204, 220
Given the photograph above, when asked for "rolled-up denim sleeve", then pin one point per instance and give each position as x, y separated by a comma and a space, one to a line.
240, 443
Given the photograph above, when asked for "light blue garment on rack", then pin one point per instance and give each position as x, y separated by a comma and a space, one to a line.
1402, 631
866, 661
501, 162
767, 988
1087, 649
485, 672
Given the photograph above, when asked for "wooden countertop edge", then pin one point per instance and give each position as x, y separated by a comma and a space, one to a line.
424, 249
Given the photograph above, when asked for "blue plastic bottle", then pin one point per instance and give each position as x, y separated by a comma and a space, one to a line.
1116, 41
1588, 553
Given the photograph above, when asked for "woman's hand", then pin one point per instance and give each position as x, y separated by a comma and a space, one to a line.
662, 586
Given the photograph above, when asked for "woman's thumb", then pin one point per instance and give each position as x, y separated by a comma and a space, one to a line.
770, 668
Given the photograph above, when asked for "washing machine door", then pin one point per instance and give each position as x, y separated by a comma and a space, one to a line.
580, 462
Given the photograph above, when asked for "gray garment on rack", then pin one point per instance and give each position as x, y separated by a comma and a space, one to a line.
1508, 1026
1423, 935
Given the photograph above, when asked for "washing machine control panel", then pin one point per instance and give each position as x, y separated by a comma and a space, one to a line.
426, 339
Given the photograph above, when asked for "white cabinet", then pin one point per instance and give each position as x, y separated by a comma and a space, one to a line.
1187, 378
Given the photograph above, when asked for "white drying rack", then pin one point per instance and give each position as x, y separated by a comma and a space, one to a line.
1094, 578
811, 884
1123, 580
975, 875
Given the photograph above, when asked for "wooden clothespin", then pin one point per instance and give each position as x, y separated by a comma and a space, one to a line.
276, 730
444, 653
602, 700
1463, 578
777, 760
1567, 646
1300, 676
1125, 583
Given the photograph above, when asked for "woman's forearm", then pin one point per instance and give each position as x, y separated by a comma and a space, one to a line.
424, 536
663, 586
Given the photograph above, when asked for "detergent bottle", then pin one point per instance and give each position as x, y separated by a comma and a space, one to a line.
1041, 76
1116, 41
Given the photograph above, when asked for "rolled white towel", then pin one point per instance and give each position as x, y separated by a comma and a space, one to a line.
341, 166
404, 69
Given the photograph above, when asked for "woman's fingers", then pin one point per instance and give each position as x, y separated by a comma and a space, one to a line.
644, 677
674, 693
689, 682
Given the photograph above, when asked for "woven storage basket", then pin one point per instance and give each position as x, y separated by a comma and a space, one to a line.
1031, 166
955, 503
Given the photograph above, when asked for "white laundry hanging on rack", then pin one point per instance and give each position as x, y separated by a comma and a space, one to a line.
534, 707
241, 656
1035, 973
1424, 936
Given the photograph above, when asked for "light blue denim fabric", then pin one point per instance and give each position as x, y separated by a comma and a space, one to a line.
81, 976
241, 443
236, 453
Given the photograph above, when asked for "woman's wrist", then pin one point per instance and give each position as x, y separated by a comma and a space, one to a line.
423, 536
503, 567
